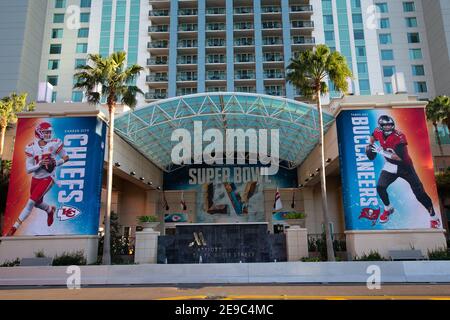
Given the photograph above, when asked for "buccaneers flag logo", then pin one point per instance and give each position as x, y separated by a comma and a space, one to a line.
370, 214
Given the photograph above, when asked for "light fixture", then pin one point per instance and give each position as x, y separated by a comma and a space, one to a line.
117, 164
300, 185
149, 183
317, 169
328, 160
311, 175
142, 178
159, 188
307, 179
132, 173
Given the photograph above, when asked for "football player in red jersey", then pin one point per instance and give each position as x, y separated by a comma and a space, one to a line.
41, 163
393, 146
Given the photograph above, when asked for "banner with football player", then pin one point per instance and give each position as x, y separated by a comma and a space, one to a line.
387, 170
56, 177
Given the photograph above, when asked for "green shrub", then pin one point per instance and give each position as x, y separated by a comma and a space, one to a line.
69, 259
295, 215
12, 263
439, 254
144, 219
39, 254
310, 259
372, 256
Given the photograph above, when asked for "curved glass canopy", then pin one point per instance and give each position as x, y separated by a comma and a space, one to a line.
149, 128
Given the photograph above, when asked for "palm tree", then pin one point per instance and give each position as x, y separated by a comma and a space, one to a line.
109, 78
308, 72
9, 107
438, 111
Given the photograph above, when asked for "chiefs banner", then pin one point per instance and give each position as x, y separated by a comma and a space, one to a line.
387, 170
56, 177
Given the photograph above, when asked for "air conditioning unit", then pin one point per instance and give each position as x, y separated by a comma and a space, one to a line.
45, 92
399, 83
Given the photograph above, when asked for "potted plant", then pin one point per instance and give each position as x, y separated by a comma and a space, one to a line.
295, 219
148, 222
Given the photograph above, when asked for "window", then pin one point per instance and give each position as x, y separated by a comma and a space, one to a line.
420, 87
388, 71
385, 38
53, 80
418, 70
388, 87
415, 54
328, 19
387, 55
364, 85
358, 34
385, 23
361, 51
57, 33
357, 18
85, 3
53, 64
326, 5
85, 17
382, 7
55, 49
80, 63
82, 47
356, 3
83, 33
77, 96
362, 67
60, 4
411, 22
58, 18
413, 37
409, 6
53, 96
329, 35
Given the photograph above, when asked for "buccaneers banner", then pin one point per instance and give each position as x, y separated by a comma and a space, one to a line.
387, 170
56, 177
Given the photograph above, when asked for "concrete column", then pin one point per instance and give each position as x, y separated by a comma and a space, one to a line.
296, 243
285, 11
146, 247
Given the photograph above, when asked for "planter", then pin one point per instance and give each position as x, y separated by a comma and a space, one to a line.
149, 226
296, 222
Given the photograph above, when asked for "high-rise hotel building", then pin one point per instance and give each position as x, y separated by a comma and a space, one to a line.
194, 46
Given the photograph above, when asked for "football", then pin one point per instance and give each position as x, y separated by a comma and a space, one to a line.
49, 164
370, 153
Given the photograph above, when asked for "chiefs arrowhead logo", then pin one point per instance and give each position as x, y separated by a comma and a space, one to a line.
67, 213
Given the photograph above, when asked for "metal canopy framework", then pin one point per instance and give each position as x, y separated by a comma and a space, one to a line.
149, 128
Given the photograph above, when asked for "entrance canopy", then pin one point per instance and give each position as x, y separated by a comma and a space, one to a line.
149, 128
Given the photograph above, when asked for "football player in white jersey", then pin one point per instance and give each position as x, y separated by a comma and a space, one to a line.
41, 163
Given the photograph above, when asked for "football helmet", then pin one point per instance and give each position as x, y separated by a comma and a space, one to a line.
44, 131
386, 124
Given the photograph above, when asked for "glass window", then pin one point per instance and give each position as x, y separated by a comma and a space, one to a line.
387, 55
364, 85
411, 22
326, 5
85, 17
83, 33
357, 18
77, 96
418, 70
82, 47
413, 37
329, 35
58, 18
361, 51
358, 34
420, 87
53, 80
55, 49
54, 96
385, 23
57, 33
388, 87
388, 71
409, 6
60, 4
356, 3
385, 38
362, 67
382, 7
328, 19
85, 3
415, 54
53, 64
80, 63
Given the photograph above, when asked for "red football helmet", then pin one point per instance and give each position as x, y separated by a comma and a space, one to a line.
44, 131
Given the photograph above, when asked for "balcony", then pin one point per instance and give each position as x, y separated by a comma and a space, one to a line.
155, 95
187, 60
246, 89
244, 58
215, 43
273, 58
216, 76
271, 25
215, 27
158, 45
158, 13
160, 28
216, 59
157, 78
215, 11
243, 10
187, 43
270, 9
302, 24
188, 12
157, 61
302, 8
272, 41
245, 76
303, 40
275, 91
187, 76
244, 42
243, 26
188, 27
186, 91
274, 75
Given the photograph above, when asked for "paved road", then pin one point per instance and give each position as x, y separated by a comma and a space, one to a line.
334, 292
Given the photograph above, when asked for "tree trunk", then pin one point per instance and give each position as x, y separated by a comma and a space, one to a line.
107, 240
323, 183
438, 138
2, 143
